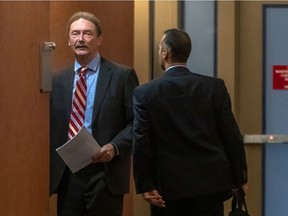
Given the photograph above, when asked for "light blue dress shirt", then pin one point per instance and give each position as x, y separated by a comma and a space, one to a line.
91, 80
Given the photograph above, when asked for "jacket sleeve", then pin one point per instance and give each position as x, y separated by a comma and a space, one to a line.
142, 148
231, 137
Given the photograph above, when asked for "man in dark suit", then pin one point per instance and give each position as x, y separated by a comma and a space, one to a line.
188, 152
99, 188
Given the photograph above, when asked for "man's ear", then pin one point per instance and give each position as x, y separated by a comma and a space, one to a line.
165, 54
99, 40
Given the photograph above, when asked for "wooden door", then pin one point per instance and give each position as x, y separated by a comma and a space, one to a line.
24, 110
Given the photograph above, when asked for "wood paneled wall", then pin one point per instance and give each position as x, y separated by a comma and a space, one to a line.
24, 111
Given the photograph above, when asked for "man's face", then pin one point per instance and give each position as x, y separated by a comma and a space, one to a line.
83, 39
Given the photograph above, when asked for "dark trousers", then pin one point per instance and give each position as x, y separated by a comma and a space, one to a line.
209, 205
86, 194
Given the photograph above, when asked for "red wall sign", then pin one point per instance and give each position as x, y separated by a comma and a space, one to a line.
280, 77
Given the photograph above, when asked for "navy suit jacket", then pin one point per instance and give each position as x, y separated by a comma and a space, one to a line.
112, 121
186, 140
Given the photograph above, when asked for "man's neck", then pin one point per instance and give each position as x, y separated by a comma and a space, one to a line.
84, 60
175, 64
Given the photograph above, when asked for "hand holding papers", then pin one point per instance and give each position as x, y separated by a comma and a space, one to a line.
78, 151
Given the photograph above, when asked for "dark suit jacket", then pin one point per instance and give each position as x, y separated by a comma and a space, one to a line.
186, 140
112, 121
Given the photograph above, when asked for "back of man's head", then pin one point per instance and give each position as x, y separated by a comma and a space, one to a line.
179, 44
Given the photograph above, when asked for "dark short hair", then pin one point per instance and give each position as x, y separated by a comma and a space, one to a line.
88, 16
179, 43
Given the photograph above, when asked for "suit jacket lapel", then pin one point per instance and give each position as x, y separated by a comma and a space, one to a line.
68, 82
104, 77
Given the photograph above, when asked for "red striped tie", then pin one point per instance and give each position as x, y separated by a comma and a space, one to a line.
77, 116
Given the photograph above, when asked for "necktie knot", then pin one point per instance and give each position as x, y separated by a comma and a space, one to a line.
82, 71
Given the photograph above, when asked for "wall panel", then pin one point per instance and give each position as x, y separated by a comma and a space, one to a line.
24, 111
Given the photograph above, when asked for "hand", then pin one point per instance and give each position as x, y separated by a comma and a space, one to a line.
154, 198
105, 155
240, 189
245, 188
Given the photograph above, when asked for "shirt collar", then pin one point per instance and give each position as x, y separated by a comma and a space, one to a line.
173, 66
92, 65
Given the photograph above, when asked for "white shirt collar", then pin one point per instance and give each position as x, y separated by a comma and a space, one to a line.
174, 66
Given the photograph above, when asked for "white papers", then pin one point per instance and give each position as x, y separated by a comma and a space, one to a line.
78, 151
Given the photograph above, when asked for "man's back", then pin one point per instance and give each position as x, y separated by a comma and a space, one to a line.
188, 151
187, 114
